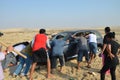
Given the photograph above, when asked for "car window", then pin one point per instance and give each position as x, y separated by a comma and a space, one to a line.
79, 33
87, 32
96, 33
63, 34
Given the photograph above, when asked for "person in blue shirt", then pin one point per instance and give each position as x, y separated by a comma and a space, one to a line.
57, 46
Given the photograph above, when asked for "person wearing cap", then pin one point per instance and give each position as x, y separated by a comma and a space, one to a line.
57, 46
111, 59
40, 53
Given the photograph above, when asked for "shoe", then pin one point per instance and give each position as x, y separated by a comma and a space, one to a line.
23, 75
14, 75
53, 71
88, 66
92, 73
77, 67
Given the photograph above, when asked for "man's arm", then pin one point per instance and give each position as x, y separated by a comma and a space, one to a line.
108, 48
48, 43
104, 46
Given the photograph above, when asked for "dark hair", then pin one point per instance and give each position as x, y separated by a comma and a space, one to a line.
107, 29
59, 36
91, 32
111, 35
24, 43
79, 34
42, 31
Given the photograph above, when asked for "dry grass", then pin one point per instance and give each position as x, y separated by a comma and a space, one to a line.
69, 73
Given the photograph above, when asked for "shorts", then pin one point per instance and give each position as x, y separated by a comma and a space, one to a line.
40, 55
82, 53
93, 47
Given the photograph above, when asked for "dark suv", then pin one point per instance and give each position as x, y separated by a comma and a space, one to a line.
70, 49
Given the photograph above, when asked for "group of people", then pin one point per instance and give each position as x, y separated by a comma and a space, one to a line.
37, 52
110, 49
86, 46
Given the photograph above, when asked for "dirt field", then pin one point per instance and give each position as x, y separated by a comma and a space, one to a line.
69, 72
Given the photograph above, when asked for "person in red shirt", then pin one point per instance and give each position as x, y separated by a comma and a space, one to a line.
40, 54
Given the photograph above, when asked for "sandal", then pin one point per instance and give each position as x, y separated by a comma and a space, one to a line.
88, 66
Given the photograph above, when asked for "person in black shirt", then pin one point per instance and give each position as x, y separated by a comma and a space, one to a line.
105, 41
111, 59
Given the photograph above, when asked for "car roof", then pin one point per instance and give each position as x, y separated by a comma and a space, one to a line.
73, 31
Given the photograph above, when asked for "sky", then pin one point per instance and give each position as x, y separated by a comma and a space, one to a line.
59, 13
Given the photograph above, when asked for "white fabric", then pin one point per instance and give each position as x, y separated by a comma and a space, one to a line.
2, 56
19, 48
48, 43
92, 38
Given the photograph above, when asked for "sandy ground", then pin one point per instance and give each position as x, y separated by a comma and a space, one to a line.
69, 71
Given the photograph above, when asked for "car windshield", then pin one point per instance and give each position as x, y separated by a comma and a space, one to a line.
65, 34
88, 31
98, 35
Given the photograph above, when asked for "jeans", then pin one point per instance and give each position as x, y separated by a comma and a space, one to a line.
93, 47
82, 53
21, 68
54, 61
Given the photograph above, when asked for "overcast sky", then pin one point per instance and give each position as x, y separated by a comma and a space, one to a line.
59, 13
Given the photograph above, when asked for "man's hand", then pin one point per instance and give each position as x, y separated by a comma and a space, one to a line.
111, 56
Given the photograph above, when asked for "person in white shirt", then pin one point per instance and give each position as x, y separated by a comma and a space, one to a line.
11, 59
92, 41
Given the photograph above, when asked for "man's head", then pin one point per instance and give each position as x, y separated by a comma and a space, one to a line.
79, 34
9, 49
42, 31
107, 29
1, 34
110, 35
